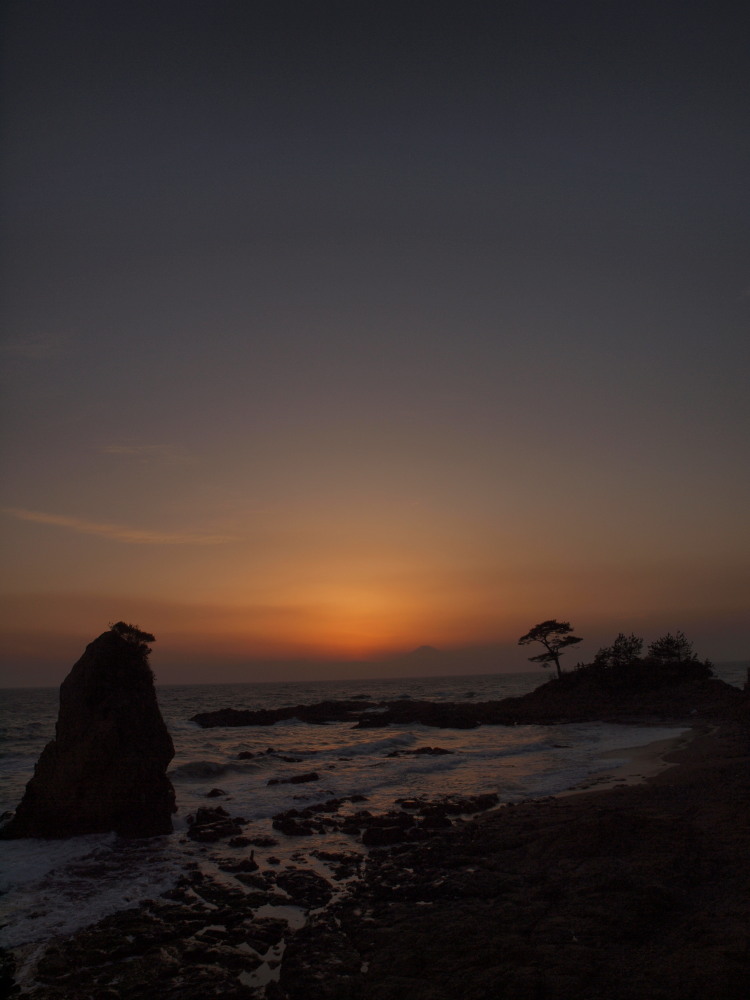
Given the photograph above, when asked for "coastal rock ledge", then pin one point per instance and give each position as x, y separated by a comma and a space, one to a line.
106, 768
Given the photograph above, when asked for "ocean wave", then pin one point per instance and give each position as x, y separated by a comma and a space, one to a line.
377, 747
63, 885
31, 858
197, 770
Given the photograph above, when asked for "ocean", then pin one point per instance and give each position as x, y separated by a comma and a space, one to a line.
53, 888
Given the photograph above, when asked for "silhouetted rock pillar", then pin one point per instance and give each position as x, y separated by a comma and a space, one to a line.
106, 768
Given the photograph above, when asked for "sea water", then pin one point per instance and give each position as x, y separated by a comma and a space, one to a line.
52, 888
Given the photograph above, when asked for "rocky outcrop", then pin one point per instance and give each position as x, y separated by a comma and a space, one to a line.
417, 819
195, 943
106, 768
636, 892
580, 696
588, 695
209, 825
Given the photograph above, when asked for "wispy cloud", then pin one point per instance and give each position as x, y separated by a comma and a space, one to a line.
119, 532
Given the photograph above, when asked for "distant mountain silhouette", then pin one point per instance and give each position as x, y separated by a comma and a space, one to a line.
422, 653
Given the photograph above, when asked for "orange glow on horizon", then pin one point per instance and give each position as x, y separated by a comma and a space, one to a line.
372, 391
459, 613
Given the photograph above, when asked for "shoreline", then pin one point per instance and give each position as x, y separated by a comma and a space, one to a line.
643, 762
634, 883
638, 889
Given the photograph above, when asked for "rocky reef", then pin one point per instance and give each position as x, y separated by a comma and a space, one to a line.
586, 695
106, 768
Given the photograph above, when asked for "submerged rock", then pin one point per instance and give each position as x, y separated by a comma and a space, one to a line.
209, 825
306, 888
106, 768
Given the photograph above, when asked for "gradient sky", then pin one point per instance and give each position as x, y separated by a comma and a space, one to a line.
336, 328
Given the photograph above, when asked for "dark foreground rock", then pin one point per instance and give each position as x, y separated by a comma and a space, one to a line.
640, 892
210, 825
106, 768
637, 893
201, 947
417, 819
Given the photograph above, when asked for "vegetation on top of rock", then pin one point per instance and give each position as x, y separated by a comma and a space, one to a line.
672, 648
134, 635
624, 650
619, 684
105, 770
670, 660
554, 636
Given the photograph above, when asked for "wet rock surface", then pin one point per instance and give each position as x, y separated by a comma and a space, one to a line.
305, 888
212, 824
412, 822
192, 949
639, 891
106, 768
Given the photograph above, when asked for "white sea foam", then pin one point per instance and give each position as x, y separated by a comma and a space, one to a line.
199, 770
89, 878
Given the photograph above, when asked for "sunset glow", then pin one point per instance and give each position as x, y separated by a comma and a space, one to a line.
327, 340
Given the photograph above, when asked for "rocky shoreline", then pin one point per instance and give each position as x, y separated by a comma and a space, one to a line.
574, 698
631, 892
640, 891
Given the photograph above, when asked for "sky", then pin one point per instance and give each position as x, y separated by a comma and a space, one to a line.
334, 329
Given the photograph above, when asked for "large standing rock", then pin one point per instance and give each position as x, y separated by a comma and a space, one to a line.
106, 768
